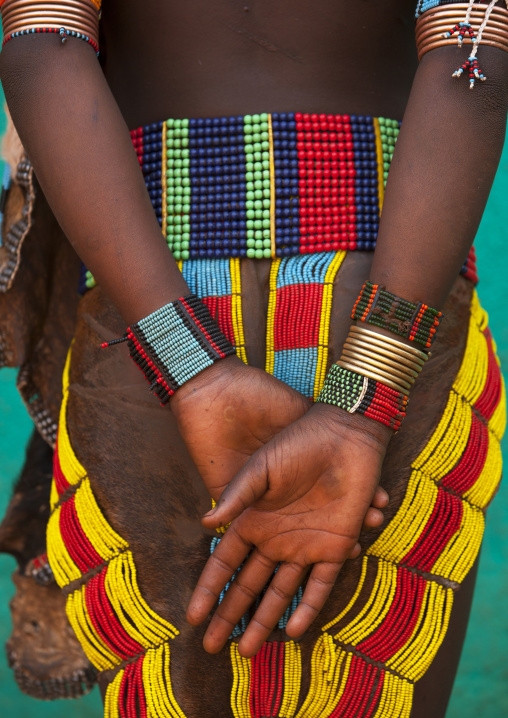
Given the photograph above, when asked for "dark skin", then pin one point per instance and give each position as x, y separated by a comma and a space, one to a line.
302, 488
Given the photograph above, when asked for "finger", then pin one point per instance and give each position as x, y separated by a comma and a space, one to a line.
243, 490
381, 498
321, 581
220, 567
278, 597
355, 552
240, 595
373, 519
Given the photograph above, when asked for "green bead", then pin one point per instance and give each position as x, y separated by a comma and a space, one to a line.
263, 117
266, 233
259, 244
186, 182
185, 254
250, 224
249, 176
258, 194
258, 205
258, 175
256, 137
382, 121
267, 253
258, 156
258, 234
259, 254
176, 254
249, 149
185, 122
247, 119
250, 214
258, 224
256, 118
267, 243
247, 129
170, 142
169, 154
249, 204
251, 253
249, 166
186, 225
265, 145
170, 122
185, 236
251, 242
186, 191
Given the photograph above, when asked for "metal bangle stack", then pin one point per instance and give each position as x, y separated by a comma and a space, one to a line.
80, 16
382, 358
432, 28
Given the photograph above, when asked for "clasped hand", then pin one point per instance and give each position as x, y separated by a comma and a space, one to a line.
296, 482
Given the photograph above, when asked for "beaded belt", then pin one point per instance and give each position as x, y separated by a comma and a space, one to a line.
267, 186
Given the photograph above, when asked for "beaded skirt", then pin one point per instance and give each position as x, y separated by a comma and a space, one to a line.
390, 611
301, 194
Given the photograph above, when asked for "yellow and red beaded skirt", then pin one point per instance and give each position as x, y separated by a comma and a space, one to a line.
374, 650
227, 193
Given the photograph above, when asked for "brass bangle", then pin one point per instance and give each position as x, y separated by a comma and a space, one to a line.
362, 366
380, 351
55, 24
445, 43
381, 361
375, 337
373, 375
404, 380
374, 365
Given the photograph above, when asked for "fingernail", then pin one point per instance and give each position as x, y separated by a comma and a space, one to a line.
209, 513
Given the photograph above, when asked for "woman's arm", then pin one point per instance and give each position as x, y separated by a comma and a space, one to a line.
80, 147
442, 171
299, 499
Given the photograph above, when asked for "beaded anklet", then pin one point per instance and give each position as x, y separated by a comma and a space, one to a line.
416, 322
373, 377
175, 343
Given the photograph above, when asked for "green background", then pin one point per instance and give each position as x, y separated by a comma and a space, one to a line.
481, 688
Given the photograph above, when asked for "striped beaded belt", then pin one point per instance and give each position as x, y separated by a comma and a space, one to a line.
269, 185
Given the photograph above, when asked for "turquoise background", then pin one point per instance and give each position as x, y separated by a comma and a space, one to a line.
481, 688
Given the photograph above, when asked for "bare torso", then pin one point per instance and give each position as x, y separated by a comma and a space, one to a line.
197, 58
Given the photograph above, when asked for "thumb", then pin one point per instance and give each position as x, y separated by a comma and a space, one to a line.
249, 485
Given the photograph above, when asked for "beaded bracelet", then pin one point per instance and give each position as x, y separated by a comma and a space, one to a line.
354, 392
416, 322
373, 376
175, 343
64, 34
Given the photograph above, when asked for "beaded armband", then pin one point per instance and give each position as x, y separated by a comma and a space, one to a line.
373, 377
175, 343
479, 21
77, 18
416, 322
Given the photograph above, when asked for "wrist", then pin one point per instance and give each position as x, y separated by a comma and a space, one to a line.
370, 429
175, 344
